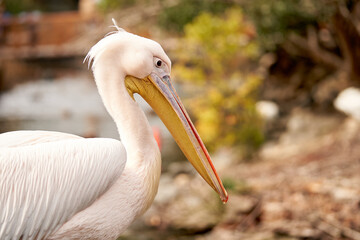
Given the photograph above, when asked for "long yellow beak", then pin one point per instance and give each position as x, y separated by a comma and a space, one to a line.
159, 93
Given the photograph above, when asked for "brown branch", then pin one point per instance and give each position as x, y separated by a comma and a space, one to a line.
311, 48
349, 39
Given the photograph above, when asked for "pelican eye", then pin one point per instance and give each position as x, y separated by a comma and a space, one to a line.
158, 63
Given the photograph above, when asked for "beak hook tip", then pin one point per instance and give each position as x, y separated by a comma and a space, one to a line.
224, 200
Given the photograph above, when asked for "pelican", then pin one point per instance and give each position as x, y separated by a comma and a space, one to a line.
61, 186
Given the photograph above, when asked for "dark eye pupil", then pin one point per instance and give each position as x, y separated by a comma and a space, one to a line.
158, 63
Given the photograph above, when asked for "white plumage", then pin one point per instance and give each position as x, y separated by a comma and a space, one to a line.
61, 186
47, 177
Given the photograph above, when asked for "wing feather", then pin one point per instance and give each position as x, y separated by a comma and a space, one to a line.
43, 185
30, 138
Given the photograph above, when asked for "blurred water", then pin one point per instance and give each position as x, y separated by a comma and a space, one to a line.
66, 105
70, 105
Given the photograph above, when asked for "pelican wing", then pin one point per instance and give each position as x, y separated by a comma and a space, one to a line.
27, 138
47, 177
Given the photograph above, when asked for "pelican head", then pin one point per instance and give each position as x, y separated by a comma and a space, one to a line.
145, 68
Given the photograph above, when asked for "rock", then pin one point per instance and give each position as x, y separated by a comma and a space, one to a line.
268, 110
237, 207
304, 130
167, 190
195, 208
348, 101
304, 125
185, 204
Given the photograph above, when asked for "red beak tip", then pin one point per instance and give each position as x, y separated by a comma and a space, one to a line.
224, 200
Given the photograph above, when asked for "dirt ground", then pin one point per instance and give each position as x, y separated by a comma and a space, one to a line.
310, 191
298, 188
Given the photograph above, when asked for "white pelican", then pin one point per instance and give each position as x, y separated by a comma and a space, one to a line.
60, 186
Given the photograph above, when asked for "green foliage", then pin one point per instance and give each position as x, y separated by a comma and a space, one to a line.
18, 6
110, 5
274, 20
215, 55
176, 17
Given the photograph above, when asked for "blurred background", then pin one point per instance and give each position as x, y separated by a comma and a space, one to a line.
270, 85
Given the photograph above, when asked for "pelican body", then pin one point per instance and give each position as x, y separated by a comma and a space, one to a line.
61, 186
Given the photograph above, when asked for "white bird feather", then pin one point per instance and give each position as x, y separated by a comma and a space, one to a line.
47, 177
